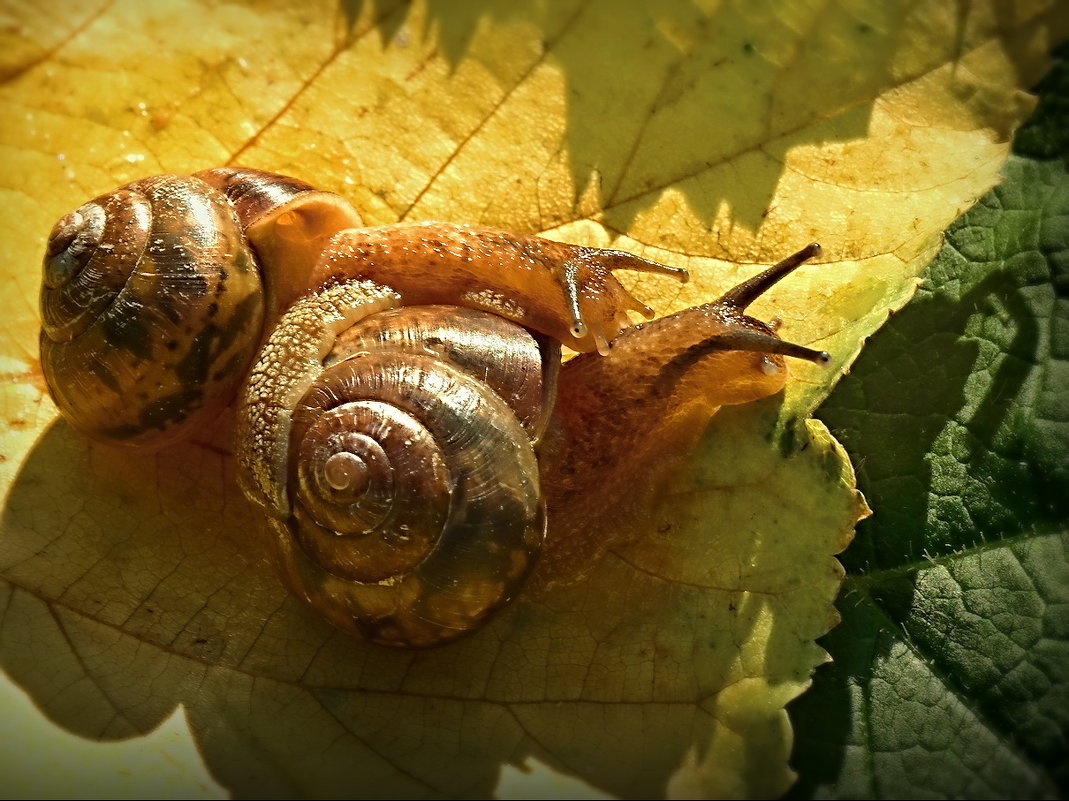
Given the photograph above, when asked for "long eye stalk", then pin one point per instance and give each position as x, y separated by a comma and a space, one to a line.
747, 292
762, 343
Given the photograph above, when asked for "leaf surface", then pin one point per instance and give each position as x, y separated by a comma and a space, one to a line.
716, 137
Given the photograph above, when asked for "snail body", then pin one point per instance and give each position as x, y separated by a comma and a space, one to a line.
402, 414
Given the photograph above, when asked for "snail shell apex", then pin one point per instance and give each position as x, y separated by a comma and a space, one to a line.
288, 364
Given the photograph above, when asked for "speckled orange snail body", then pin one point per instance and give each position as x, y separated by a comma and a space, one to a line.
403, 416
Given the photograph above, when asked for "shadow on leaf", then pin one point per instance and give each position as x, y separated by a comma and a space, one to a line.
676, 96
139, 585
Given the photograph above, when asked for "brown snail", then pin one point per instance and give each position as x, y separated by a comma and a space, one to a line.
402, 412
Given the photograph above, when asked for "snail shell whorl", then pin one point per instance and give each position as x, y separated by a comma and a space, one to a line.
485, 345
254, 193
288, 223
151, 310
413, 504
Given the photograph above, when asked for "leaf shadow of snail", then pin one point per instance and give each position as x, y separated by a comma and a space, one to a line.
136, 583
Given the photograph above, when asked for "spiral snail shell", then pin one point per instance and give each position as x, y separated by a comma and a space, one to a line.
402, 413
150, 310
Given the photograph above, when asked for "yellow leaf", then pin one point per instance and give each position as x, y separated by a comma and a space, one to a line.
715, 136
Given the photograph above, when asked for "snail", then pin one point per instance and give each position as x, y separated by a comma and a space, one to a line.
402, 413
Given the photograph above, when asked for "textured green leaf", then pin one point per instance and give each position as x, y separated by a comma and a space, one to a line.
951, 673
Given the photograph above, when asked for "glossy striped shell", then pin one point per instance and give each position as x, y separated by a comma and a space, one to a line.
151, 310
403, 486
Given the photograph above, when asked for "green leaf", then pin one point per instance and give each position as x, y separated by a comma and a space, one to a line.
1046, 135
951, 674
